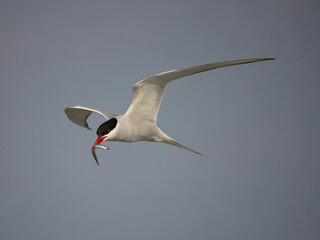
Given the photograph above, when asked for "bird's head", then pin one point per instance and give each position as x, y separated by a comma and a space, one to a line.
103, 131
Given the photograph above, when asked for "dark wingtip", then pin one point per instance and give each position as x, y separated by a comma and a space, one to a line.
265, 59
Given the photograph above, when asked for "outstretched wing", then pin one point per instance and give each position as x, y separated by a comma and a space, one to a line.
79, 114
148, 93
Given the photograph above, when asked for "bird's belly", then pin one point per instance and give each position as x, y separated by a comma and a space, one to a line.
136, 132
135, 137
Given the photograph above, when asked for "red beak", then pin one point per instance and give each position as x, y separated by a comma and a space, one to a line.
99, 140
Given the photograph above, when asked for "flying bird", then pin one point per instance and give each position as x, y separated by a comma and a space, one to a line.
139, 123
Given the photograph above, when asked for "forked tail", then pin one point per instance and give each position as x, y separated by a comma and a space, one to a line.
174, 143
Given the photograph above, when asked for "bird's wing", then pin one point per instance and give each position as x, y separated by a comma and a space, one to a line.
79, 114
148, 93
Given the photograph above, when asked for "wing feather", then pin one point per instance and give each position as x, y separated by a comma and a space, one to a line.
80, 114
148, 93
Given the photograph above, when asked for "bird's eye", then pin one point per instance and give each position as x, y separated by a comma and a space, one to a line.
107, 127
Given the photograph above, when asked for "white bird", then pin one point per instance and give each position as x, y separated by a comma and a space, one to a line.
139, 123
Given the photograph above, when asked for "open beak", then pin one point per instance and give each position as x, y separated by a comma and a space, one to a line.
97, 145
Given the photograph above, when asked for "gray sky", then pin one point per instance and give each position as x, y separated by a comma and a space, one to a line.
258, 124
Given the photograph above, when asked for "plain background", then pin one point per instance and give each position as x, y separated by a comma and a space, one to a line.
258, 124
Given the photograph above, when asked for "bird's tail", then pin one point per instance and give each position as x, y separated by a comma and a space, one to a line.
174, 143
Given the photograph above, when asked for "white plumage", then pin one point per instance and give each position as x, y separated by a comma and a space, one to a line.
139, 123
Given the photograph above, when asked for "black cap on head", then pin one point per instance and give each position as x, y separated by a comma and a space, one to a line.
106, 127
